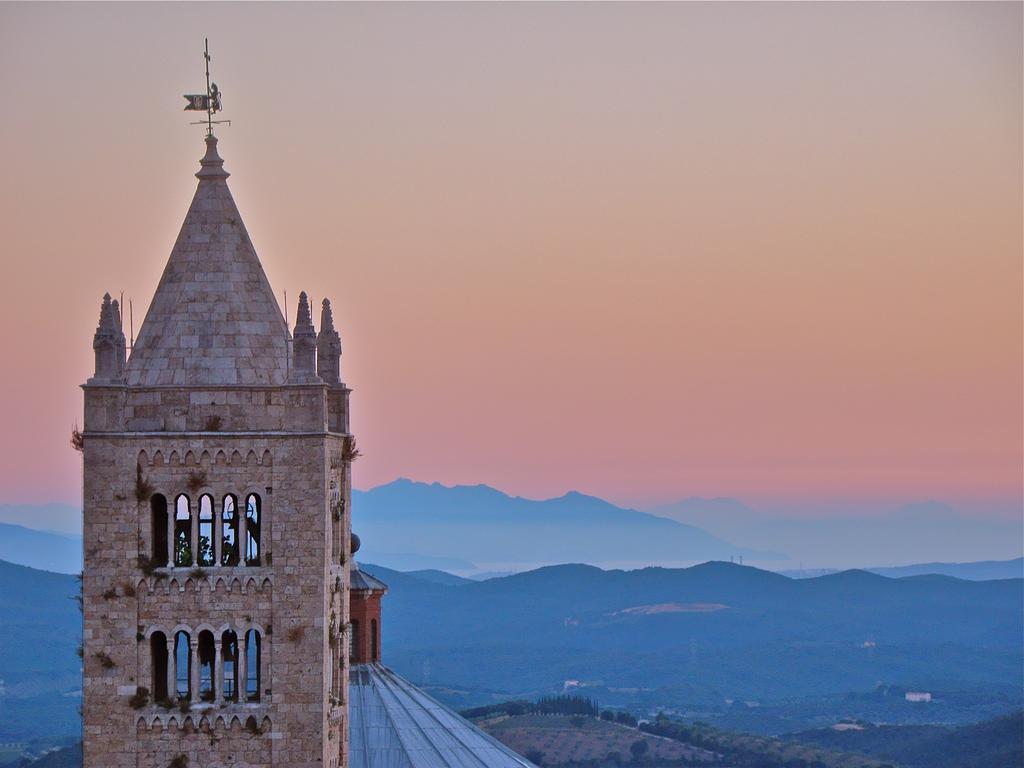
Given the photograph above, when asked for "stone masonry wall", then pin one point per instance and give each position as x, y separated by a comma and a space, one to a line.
296, 597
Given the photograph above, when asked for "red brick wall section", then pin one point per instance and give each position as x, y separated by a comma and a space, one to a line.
364, 609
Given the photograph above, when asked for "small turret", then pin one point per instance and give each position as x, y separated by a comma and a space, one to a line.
365, 592
303, 345
328, 347
108, 344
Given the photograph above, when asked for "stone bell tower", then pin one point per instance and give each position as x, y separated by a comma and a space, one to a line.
216, 518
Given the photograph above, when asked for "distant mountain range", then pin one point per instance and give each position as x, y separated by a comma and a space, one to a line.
40, 549
855, 535
699, 636
682, 638
413, 561
474, 530
990, 744
53, 517
498, 531
40, 628
984, 570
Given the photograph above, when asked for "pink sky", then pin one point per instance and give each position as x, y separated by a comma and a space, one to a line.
643, 251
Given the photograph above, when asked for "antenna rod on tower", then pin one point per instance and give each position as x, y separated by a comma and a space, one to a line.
210, 102
287, 338
209, 95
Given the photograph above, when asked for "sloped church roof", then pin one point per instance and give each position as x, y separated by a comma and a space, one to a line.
213, 319
393, 724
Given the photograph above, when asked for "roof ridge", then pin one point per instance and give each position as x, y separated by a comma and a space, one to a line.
424, 716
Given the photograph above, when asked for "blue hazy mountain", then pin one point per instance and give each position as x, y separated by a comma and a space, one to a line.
414, 561
695, 637
490, 527
647, 638
853, 536
40, 549
472, 530
986, 570
40, 628
988, 744
54, 517
981, 571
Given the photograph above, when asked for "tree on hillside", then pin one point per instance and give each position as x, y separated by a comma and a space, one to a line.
638, 749
566, 705
626, 719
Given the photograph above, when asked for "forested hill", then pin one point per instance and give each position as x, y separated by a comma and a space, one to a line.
990, 744
40, 629
707, 633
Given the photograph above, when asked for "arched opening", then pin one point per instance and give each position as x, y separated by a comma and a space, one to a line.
205, 554
353, 641
252, 529
183, 666
229, 532
206, 652
229, 657
374, 643
158, 516
158, 662
252, 662
182, 531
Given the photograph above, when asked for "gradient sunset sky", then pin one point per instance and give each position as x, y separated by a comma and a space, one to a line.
644, 251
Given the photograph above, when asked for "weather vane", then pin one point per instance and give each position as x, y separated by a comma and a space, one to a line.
209, 102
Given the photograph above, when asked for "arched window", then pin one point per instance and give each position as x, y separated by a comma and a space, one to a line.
229, 532
205, 554
158, 516
206, 656
183, 666
252, 529
252, 662
229, 658
374, 643
353, 641
158, 661
182, 531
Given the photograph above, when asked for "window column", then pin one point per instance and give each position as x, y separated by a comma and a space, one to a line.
218, 673
171, 543
172, 668
194, 533
193, 668
242, 532
216, 533
243, 668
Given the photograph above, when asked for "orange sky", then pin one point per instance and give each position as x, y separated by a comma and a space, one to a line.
768, 251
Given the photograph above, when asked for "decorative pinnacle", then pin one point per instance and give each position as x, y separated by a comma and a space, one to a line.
328, 347
106, 314
303, 344
326, 317
108, 343
303, 316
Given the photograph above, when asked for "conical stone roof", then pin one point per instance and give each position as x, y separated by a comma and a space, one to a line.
214, 319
